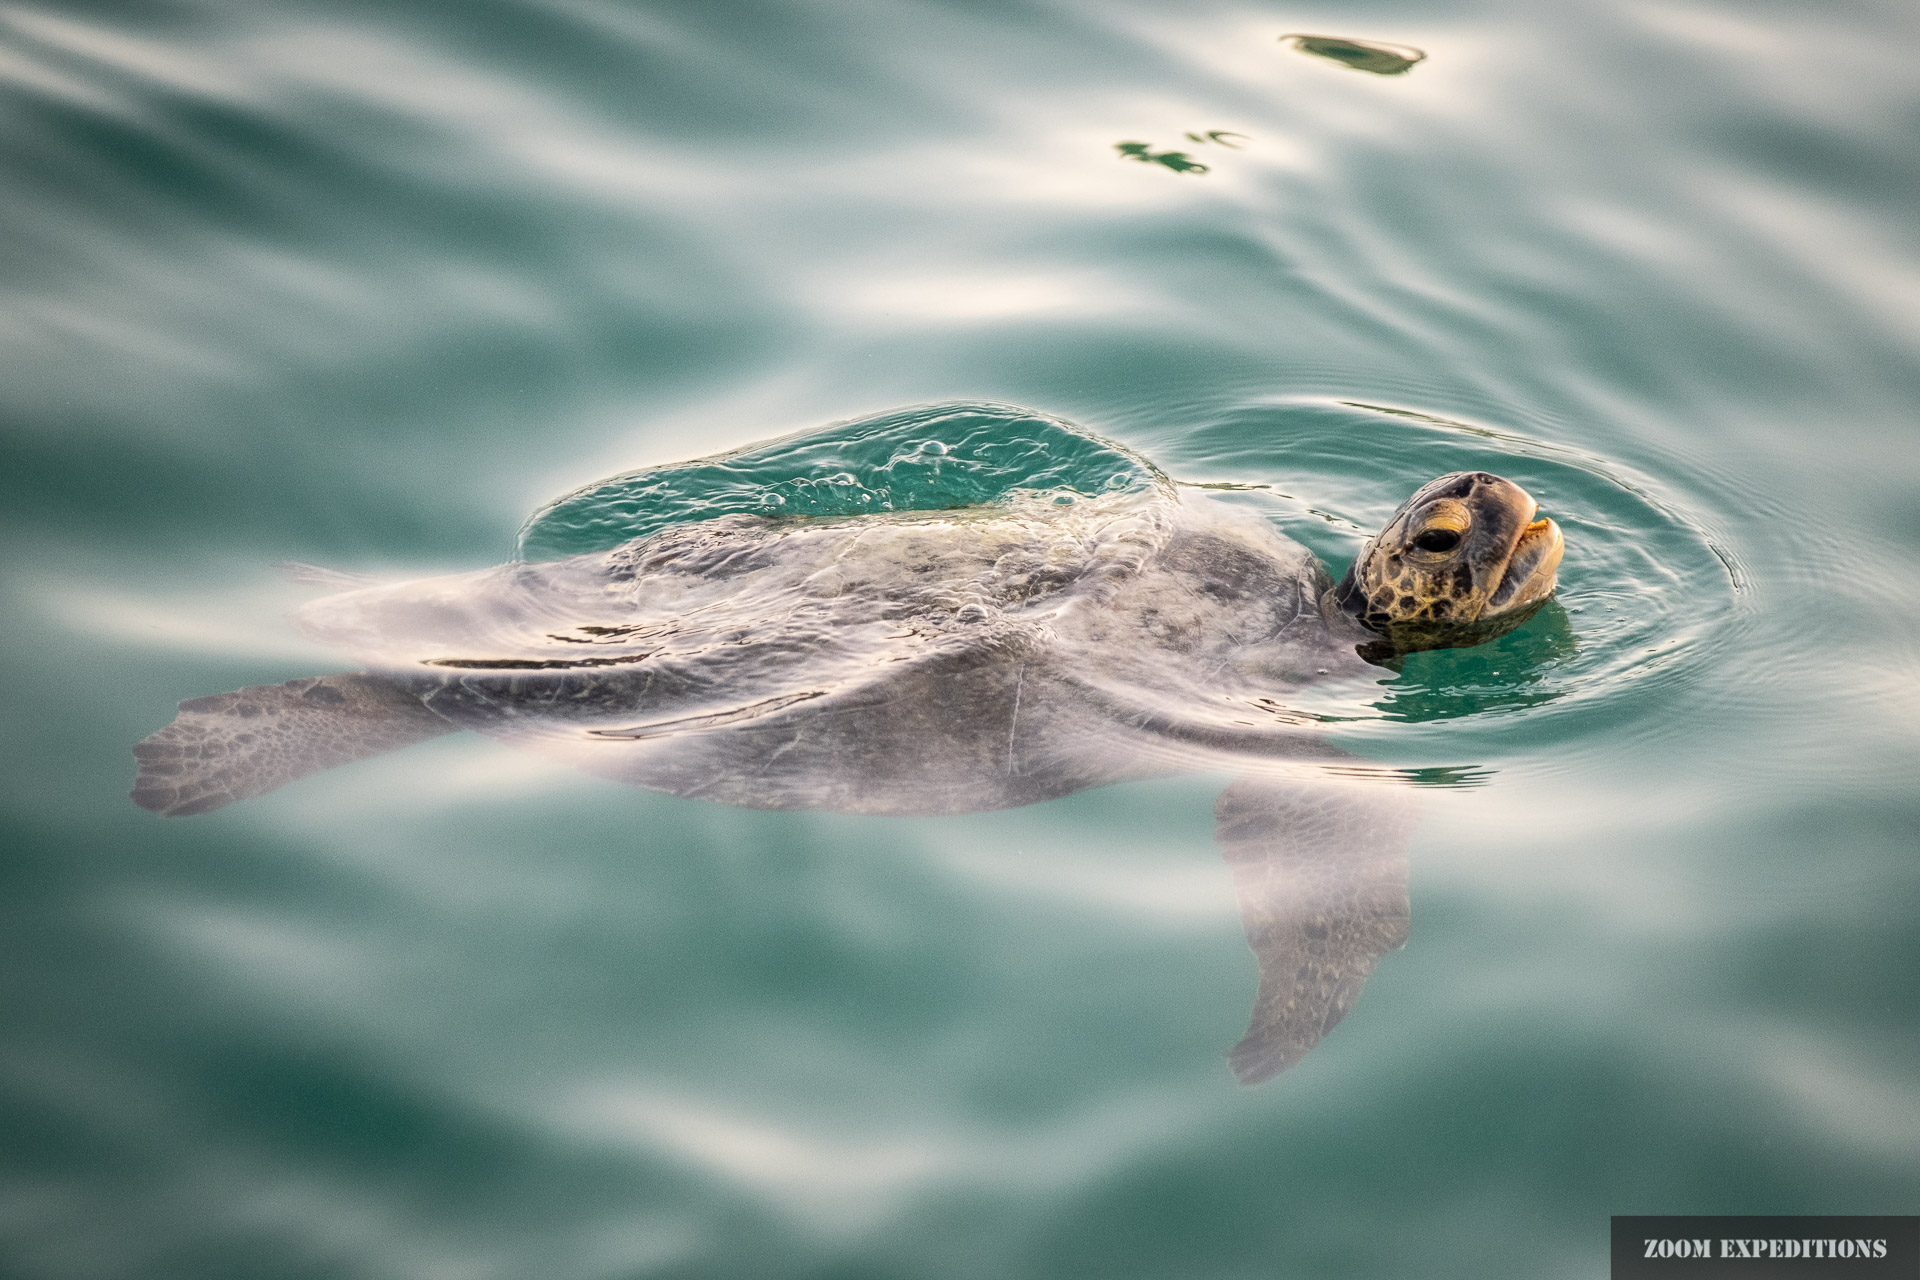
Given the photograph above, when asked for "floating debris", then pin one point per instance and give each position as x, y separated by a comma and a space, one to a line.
1178, 161
1220, 136
1362, 55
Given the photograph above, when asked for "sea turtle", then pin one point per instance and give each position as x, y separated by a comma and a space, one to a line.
938, 661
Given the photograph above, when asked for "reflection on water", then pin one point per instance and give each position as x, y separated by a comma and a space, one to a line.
1220, 136
1362, 55
1178, 161
995, 609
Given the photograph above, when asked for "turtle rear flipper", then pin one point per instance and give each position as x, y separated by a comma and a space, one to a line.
233, 745
1320, 867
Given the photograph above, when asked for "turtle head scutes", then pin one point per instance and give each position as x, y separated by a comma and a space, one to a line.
1465, 559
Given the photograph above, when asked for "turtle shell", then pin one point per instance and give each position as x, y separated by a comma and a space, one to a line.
1050, 638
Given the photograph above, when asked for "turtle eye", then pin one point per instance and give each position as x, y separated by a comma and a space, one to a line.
1437, 540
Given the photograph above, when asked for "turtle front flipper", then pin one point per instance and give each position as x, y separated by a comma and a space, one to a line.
1320, 868
234, 745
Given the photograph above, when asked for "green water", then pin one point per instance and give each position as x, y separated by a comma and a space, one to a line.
366, 286
923, 458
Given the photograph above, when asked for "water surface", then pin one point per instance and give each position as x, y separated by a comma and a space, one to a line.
366, 286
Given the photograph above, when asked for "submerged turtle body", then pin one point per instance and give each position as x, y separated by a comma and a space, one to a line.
918, 662
915, 662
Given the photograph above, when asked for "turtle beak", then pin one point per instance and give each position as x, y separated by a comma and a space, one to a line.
1531, 566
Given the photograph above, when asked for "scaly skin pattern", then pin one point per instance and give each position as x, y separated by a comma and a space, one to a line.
234, 745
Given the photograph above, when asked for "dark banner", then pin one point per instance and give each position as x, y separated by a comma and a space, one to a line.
1766, 1248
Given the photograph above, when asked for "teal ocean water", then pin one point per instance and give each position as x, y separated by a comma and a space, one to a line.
369, 286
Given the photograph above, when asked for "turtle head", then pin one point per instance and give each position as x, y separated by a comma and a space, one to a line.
1465, 559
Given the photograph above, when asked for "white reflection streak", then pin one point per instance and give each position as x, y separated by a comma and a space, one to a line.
21, 70
965, 299
495, 115
1842, 1097
65, 321
759, 1153
247, 626
270, 951
847, 1184
195, 71
1197, 892
1854, 252
461, 774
